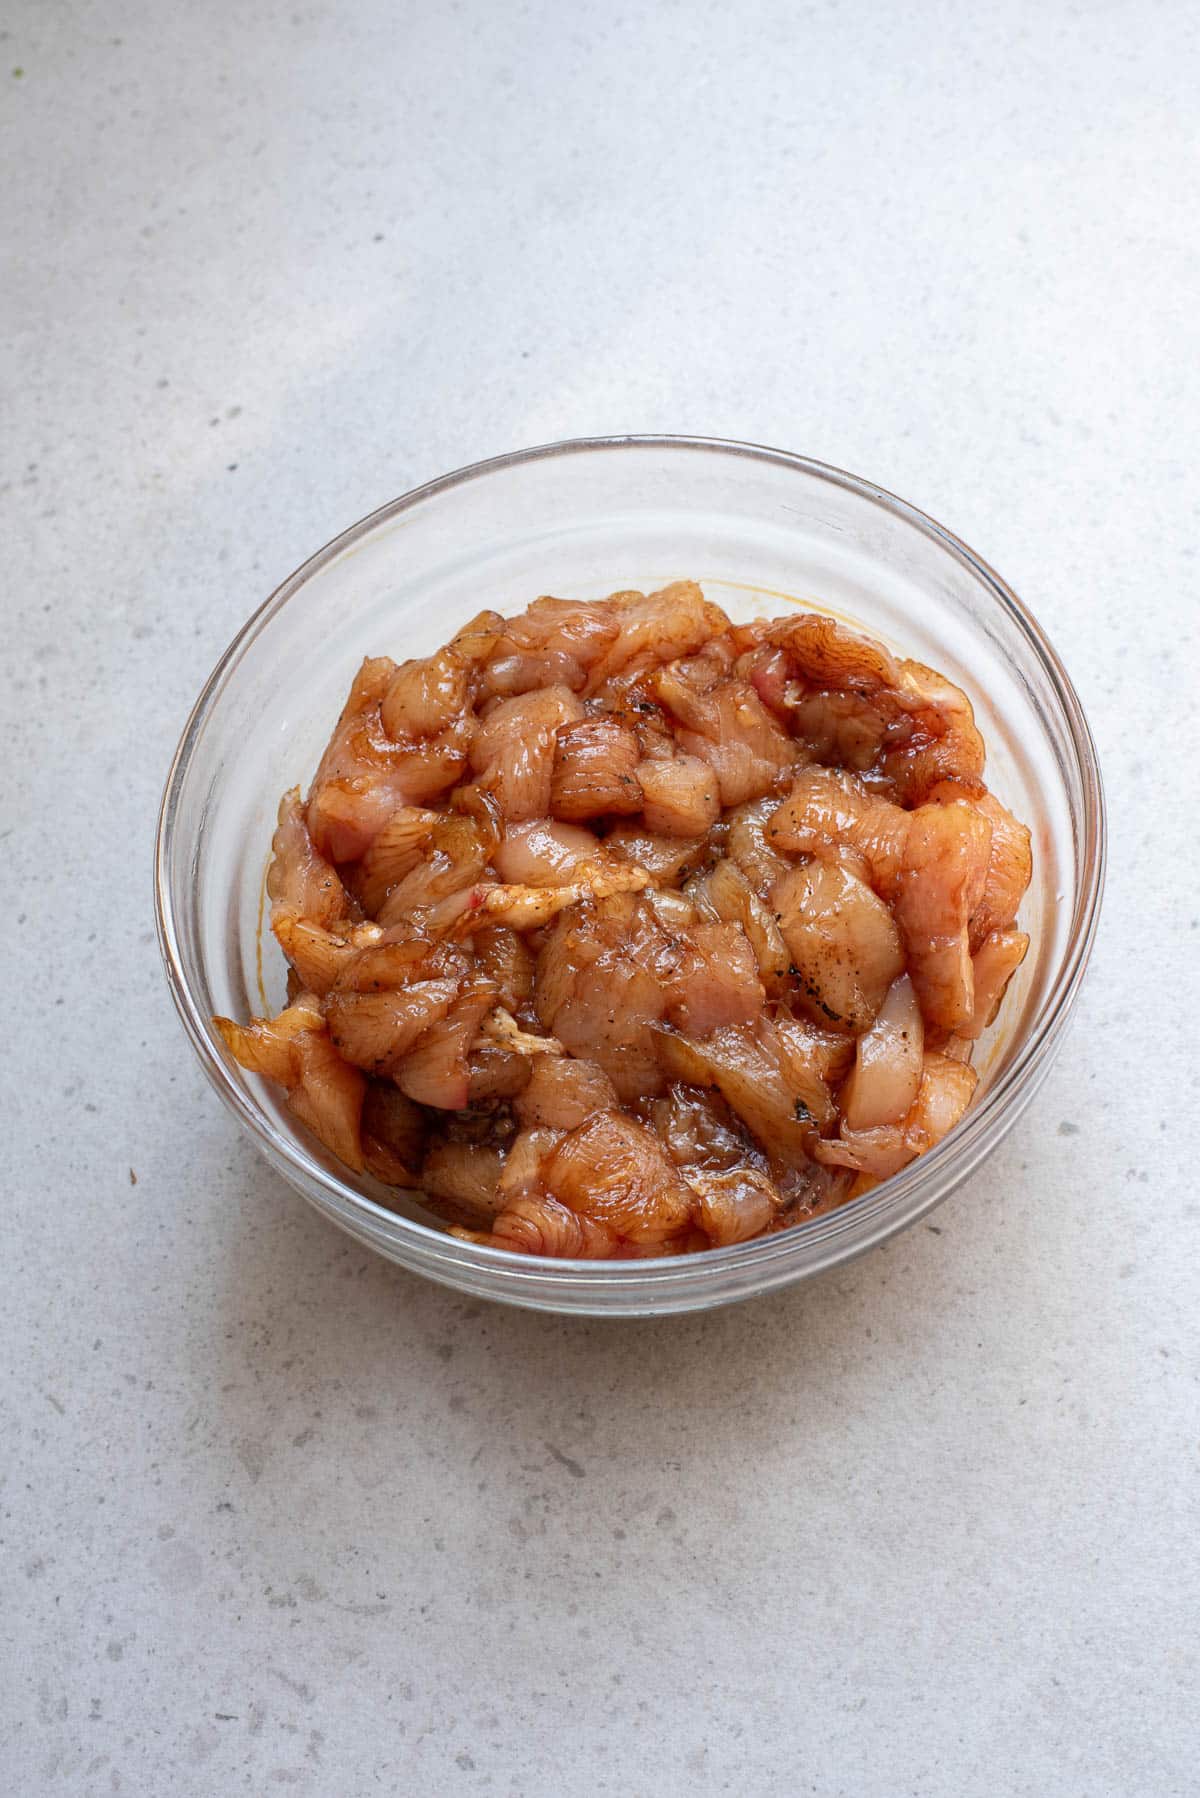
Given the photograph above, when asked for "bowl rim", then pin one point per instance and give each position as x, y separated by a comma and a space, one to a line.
888, 1207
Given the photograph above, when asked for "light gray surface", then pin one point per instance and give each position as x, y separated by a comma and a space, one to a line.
276, 1515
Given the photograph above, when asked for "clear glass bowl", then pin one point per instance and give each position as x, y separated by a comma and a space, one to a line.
761, 530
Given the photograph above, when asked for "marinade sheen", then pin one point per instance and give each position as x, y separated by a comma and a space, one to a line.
621, 930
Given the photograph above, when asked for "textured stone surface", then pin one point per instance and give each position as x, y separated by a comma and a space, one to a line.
273, 1513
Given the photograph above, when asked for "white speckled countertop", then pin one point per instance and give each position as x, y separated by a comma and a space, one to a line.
274, 1514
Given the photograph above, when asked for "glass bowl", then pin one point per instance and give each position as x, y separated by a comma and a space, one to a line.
761, 530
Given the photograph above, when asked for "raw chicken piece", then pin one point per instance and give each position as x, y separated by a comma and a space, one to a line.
679, 796
390, 963
563, 1093
826, 654
883, 1084
833, 815
537, 1224
846, 730
666, 859
467, 1174
365, 775
746, 844
938, 890
494, 1072
267, 1046
294, 1049
435, 1071
877, 1153
375, 1030
453, 859
616, 970
992, 967
734, 1206
831, 688
531, 1149
387, 996
725, 723
393, 1135
1010, 865
812, 1061
328, 1097
698, 1130
544, 853
506, 960
395, 852
724, 893
595, 763
555, 643
616, 1173
513, 749
943, 1095
842, 940
300, 882
747, 1064
769, 672
657, 628
599, 988
676, 914
710, 978
423, 698
318, 956
944, 743
947, 1087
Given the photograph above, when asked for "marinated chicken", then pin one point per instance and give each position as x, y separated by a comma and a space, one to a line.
617, 929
